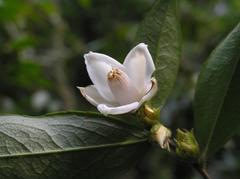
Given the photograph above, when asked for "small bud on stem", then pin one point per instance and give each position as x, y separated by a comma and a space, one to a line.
186, 145
149, 115
161, 135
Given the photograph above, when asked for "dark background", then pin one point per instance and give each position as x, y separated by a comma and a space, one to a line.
42, 43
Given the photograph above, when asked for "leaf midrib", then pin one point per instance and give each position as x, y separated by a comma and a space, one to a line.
219, 110
74, 149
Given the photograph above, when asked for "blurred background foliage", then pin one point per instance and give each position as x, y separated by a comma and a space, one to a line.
42, 43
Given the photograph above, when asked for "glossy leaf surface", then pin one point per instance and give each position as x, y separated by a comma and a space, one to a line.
160, 31
71, 145
217, 99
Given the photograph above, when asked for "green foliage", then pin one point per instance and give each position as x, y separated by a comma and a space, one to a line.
217, 99
50, 33
29, 75
186, 145
23, 43
85, 3
68, 145
160, 30
27, 72
12, 9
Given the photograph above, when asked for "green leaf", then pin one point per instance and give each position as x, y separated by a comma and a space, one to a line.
217, 99
71, 145
160, 31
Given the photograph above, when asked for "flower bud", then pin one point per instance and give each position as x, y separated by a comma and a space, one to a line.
186, 144
161, 135
149, 115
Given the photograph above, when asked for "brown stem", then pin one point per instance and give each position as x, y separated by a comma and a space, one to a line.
202, 171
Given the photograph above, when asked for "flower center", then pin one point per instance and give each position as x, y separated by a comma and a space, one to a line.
114, 74
121, 87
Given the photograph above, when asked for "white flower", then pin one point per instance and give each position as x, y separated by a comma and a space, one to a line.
120, 88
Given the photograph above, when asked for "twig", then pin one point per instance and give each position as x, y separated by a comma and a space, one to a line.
202, 171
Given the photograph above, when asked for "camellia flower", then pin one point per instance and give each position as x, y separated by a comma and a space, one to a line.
120, 88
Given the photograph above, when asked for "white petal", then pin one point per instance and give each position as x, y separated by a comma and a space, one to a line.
92, 95
139, 66
104, 109
107, 59
98, 68
122, 88
151, 92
